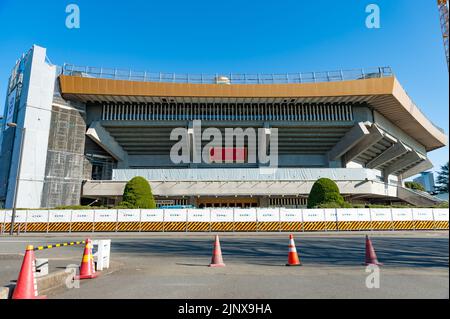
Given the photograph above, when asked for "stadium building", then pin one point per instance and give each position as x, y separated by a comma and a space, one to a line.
81, 133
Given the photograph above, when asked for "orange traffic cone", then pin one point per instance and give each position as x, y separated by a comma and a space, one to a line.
216, 260
293, 256
26, 286
87, 268
371, 256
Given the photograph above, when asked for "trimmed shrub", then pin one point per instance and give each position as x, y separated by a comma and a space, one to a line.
137, 194
415, 186
325, 191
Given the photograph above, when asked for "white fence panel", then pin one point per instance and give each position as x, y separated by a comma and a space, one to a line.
82, 216
221, 215
175, 215
37, 216
347, 215
425, 214
245, 215
290, 215
381, 214
105, 215
363, 214
21, 216
59, 216
402, 214
441, 214
128, 215
330, 215
313, 215
152, 215
268, 214
198, 215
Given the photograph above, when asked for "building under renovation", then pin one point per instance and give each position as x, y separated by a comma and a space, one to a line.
80, 133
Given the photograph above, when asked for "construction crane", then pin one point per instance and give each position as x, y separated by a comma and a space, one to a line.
443, 18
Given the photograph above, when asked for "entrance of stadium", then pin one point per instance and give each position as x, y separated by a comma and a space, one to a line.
239, 202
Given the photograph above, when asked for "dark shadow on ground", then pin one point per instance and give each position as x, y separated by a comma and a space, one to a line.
330, 251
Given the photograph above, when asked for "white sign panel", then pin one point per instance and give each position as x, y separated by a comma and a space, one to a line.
441, 214
105, 215
198, 215
245, 215
330, 215
59, 216
313, 215
221, 215
268, 214
175, 215
290, 215
402, 214
82, 216
21, 216
347, 215
2, 216
152, 215
363, 215
380, 214
425, 214
10, 108
37, 216
128, 215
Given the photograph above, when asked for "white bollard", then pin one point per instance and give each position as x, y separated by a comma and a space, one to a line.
101, 252
41, 267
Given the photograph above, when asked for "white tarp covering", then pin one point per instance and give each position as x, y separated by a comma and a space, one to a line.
128, 215
347, 215
425, 214
381, 214
175, 215
313, 215
245, 215
105, 215
37, 216
268, 214
59, 216
82, 216
221, 215
441, 214
152, 215
21, 216
290, 215
330, 215
402, 214
198, 215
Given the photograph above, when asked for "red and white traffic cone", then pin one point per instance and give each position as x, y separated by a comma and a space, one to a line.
87, 268
371, 256
293, 259
216, 260
26, 286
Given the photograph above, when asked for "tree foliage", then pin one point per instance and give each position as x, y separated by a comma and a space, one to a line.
138, 194
325, 192
415, 186
442, 180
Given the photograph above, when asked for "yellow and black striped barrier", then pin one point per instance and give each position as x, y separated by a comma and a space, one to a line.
59, 245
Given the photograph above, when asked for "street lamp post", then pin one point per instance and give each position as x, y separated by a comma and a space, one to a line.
16, 187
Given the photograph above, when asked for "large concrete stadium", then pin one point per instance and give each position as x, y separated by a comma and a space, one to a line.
84, 132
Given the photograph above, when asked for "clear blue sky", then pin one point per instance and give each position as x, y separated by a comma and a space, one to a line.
239, 36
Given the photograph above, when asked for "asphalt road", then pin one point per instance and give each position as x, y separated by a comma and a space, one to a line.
176, 265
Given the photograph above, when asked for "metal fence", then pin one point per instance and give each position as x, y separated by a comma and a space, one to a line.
230, 78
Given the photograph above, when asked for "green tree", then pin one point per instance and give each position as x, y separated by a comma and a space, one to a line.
414, 185
138, 194
325, 192
442, 180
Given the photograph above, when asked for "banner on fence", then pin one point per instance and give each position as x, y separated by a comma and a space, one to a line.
425, 214
346, 215
82, 216
245, 215
290, 215
198, 215
441, 214
402, 214
175, 215
380, 214
268, 214
313, 215
221, 215
59, 216
21, 216
105, 215
128, 215
37, 216
152, 215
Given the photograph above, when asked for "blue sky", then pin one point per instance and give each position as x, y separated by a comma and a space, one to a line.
204, 36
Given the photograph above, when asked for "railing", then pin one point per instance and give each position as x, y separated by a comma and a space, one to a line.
231, 78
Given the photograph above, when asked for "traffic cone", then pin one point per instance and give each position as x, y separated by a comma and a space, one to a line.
371, 256
216, 260
26, 286
87, 268
292, 256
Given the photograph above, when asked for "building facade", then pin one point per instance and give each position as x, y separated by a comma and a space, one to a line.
426, 179
210, 141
